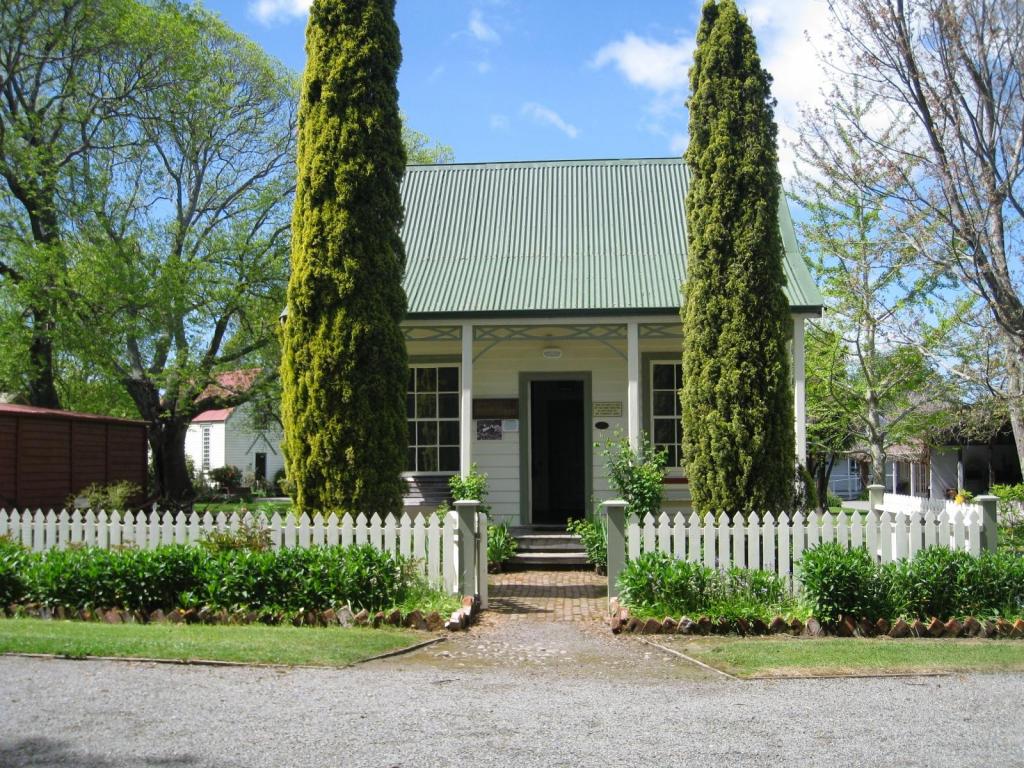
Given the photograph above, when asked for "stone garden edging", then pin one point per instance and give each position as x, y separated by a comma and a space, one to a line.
460, 619
622, 621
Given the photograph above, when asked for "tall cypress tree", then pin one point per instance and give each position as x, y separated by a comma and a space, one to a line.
737, 405
344, 362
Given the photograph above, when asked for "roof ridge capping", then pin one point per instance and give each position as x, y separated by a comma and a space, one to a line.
547, 163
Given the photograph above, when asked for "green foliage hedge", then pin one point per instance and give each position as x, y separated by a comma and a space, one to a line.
938, 582
594, 537
176, 576
659, 585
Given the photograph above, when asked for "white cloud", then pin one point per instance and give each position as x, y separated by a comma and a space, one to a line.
483, 67
542, 114
499, 122
481, 30
652, 64
269, 11
782, 30
790, 38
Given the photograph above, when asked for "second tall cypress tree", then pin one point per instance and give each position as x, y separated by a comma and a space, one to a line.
738, 429
344, 362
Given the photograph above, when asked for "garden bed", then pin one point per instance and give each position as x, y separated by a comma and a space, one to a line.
940, 593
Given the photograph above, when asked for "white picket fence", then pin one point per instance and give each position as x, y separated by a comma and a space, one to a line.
431, 543
776, 543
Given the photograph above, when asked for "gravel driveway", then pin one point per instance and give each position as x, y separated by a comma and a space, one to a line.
523, 695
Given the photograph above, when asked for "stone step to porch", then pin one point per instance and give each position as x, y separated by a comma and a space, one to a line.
541, 559
547, 547
549, 542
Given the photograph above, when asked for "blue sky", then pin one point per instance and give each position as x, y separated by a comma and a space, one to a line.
508, 80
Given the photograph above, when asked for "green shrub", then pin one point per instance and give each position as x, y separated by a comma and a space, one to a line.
472, 487
594, 537
134, 579
657, 584
227, 478
251, 535
303, 579
937, 582
13, 561
839, 581
656, 581
109, 496
636, 476
282, 486
834, 501
224, 578
934, 583
501, 545
992, 585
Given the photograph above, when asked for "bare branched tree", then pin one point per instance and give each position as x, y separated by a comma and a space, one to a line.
953, 72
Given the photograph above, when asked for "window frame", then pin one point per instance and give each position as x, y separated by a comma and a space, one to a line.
437, 363
650, 359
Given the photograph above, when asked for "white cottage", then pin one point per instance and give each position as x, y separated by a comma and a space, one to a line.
226, 436
544, 316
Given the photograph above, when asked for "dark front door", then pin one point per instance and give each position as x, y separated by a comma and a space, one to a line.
557, 442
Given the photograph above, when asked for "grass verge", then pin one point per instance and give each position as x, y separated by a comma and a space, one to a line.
327, 647
791, 657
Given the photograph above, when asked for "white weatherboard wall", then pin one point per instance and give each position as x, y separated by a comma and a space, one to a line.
496, 374
241, 444
194, 443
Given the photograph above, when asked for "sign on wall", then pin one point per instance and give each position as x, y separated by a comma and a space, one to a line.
496, 408
609, 409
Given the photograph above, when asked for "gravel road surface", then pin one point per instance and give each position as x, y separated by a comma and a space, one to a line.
530, 695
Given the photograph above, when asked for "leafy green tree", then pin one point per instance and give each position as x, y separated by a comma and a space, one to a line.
830, 432
870, 373
737, 397
344, 361
182, 236
422, 150
68, 71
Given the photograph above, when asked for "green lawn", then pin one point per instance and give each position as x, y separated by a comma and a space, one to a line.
328, 647
785, 657
236, 507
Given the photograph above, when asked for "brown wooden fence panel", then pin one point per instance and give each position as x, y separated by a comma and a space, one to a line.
8, 460
44, 462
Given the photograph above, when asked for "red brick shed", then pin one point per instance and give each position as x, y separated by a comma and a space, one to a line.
46, 455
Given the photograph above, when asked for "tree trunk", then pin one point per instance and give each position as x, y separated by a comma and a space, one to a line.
167, 430
42, 391
1015, 402
167, 440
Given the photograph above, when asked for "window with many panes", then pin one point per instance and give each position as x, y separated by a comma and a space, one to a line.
666, 431
432, 410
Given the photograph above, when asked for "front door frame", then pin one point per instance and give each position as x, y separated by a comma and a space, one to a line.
526, 415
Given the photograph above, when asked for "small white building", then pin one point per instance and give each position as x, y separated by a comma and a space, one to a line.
227, 437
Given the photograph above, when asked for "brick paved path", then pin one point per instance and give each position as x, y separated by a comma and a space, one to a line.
549, 595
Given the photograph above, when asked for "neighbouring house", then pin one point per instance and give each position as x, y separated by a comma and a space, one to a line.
543, 318
47, 455
935, 472
228, 436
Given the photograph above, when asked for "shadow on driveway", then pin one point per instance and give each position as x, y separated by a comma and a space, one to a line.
46, 752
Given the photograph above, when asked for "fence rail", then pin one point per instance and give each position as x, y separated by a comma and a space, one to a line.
432, 543
894, 528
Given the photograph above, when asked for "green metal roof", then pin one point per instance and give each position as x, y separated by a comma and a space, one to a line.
579, 237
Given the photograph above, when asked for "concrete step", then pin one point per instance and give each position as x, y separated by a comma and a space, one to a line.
545, 559
549, 543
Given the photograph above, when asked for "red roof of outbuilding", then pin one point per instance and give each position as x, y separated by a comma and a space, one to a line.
228, 383
219, 414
